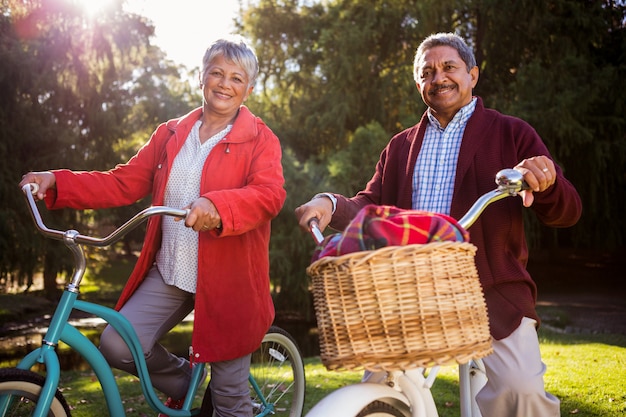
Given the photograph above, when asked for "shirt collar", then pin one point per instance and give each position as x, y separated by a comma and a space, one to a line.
461, 117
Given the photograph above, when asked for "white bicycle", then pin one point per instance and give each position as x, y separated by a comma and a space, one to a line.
407, 392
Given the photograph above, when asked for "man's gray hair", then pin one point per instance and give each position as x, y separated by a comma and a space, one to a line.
444, 39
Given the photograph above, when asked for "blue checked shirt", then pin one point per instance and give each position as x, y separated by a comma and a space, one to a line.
435, 169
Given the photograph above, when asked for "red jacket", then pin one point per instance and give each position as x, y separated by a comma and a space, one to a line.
243, 177
491, 142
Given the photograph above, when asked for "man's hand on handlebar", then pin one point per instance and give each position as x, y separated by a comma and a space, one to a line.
45, 180
539, 173
320, 208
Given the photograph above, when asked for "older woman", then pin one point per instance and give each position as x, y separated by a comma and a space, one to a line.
224, 164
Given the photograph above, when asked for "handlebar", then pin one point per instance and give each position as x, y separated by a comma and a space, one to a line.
509, 183
116, 235
73, 239
315, 231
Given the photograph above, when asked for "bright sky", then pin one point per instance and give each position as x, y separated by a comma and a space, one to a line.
184, 28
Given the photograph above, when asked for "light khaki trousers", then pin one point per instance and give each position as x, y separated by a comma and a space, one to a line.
515, 386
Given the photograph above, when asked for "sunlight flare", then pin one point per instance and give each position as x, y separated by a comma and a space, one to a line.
93, 8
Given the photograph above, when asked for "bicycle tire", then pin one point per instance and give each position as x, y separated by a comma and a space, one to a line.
278, 369
381, 409
25, 386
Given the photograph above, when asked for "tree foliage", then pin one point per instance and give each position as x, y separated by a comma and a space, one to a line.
337, 78
329, 68
76, 92
336, 83
566, 83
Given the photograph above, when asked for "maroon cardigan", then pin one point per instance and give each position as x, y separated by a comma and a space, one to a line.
492, 141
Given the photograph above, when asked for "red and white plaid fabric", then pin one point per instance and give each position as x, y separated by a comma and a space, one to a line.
377, 226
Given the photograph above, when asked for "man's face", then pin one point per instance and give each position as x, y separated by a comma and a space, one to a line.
444, 82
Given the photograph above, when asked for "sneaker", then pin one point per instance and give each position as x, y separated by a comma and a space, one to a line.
173, 404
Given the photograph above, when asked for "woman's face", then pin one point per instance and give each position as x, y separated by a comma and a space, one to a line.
444, 82
225, 87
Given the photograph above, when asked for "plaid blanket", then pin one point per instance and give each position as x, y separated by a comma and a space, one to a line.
377, 226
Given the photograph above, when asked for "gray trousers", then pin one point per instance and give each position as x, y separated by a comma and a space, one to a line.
153, 310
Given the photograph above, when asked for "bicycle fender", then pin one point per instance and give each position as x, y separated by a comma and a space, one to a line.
350, 400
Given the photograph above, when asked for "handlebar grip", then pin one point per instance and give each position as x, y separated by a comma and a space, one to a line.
315, 230
34, 188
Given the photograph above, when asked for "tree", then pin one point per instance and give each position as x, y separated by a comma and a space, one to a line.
327, 69
346, 170
561, 69
77, 92
335, 66
334, 73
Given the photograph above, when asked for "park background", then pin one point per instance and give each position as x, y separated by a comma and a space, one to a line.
84, 88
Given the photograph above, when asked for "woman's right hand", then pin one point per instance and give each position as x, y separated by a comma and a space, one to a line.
45, 180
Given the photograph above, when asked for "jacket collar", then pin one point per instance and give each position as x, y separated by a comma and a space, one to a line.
244, 129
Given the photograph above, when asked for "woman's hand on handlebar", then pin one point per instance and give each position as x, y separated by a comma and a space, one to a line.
202, 215
320, 208
539, 173
45, 180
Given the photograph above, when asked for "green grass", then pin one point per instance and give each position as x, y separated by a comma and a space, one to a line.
587, 372
84, 395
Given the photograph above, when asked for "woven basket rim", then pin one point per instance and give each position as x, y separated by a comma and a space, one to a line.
365, 255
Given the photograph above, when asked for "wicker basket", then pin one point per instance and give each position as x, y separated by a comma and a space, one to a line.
400, 307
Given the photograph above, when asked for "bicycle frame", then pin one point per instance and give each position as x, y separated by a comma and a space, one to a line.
409, 390
61, 330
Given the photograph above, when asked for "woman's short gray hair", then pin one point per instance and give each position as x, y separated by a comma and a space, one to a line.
234, 48
444, 39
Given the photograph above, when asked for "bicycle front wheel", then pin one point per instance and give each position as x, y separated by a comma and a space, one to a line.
277, 376
19, 394
381, 409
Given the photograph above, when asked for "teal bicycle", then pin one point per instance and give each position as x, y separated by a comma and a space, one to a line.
277, 380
